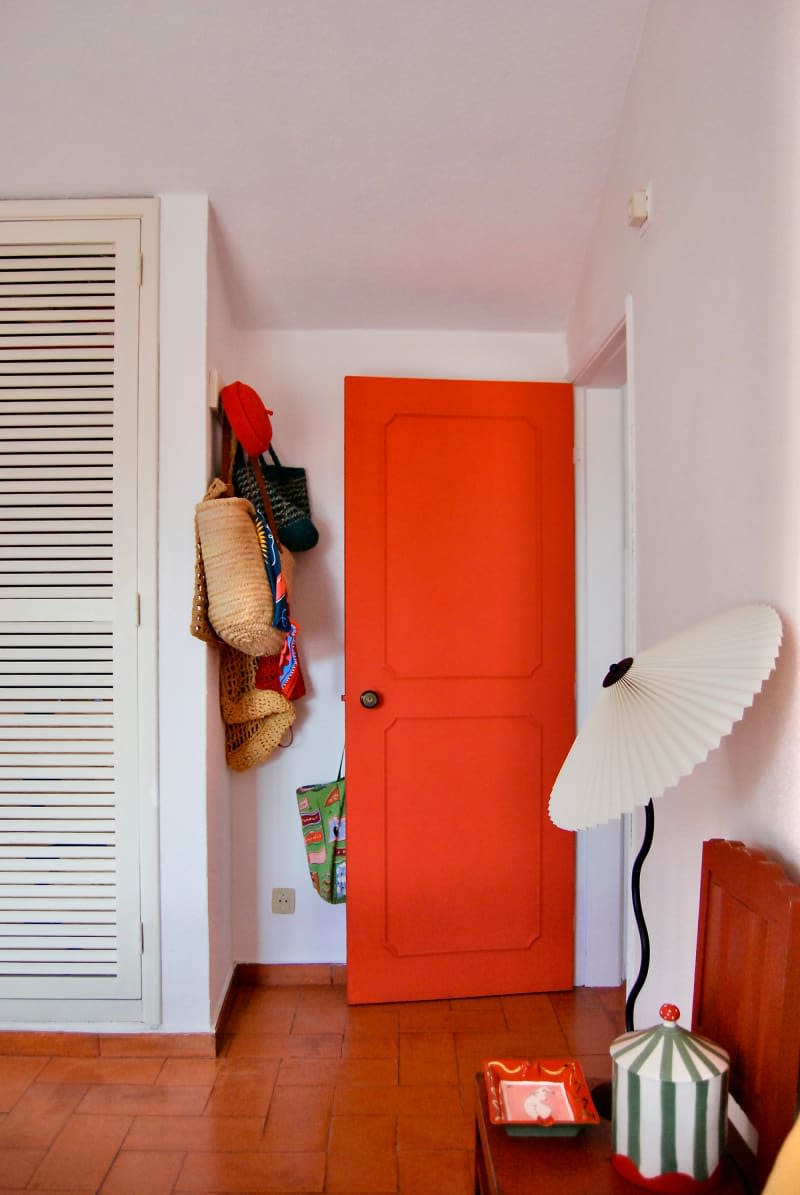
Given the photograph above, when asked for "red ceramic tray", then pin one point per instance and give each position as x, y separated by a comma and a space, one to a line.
538, 1097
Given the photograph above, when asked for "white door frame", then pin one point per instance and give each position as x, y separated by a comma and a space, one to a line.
605, 625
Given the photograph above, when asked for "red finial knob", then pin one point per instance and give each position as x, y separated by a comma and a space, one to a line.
669, 1012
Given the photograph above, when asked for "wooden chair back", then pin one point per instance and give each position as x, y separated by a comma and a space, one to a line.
747, 985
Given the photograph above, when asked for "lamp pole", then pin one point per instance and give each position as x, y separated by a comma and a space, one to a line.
638, 913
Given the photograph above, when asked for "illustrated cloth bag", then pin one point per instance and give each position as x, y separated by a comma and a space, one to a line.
323, 821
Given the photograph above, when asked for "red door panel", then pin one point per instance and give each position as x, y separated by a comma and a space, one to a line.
460, 615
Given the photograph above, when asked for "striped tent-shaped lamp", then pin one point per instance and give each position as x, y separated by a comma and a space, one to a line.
669, 1107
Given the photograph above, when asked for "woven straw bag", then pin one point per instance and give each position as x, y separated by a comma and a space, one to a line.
240, 601
200, 627
255, 719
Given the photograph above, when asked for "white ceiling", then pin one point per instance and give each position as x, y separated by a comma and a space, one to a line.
369, 163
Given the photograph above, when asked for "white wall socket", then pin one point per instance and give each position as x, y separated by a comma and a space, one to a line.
283, 900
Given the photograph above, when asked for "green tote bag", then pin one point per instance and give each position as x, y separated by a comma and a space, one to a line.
322, 818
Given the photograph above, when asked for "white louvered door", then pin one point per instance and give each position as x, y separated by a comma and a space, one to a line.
70, 805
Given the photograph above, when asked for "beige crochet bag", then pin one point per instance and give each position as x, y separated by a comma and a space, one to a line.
255, 719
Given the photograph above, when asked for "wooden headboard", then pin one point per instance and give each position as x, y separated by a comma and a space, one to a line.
747, 984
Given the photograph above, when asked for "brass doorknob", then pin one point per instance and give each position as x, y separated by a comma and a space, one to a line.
369, 699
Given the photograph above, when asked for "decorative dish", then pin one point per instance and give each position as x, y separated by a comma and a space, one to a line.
546, 1097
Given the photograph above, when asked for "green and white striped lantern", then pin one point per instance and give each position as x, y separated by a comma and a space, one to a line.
669, 1107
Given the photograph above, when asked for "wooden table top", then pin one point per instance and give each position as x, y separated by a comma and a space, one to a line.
579, 1165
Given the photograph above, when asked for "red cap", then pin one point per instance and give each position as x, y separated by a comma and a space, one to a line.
248, 417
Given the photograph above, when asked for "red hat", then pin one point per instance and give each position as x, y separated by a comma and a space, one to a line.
248, 417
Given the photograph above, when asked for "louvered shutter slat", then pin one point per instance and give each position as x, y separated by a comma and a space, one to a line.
67, 506
32, 400
55, 269
16, 535
61, 367
68, 480
68, 966
77, 712
33, 335
79, 470
53, 426
59, 804
89, 675
63, 729
18, 640
77, 889
56, 425
41, 913
50, 348
54, 592
65, 252
85, 868
46, 757
73, 461
64, 586
55, 572
56, 434
58, 309
82, 285
43, 788
53, 547
57, 510
11, 828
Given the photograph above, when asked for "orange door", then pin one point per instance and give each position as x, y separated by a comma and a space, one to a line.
460, 616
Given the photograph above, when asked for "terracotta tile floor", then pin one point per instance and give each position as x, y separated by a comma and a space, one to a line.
306, 1095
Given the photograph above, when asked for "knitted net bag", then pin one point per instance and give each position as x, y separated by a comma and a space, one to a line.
255, 719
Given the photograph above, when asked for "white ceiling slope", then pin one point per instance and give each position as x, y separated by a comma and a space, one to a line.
370, 163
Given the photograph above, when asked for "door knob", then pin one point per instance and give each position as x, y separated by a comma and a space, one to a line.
369, 699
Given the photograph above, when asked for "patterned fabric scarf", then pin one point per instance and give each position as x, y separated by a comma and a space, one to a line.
246, 486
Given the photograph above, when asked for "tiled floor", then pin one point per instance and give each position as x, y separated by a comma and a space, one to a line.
307, 1095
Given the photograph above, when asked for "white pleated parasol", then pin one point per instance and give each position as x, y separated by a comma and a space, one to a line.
662, 713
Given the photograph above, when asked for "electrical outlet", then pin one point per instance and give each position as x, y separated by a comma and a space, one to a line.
283, 900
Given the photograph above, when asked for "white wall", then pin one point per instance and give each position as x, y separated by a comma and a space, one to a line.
222, 350
711, 122
182, 660
600, 580
300, 376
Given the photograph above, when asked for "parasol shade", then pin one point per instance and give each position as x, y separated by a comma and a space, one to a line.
657, 720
